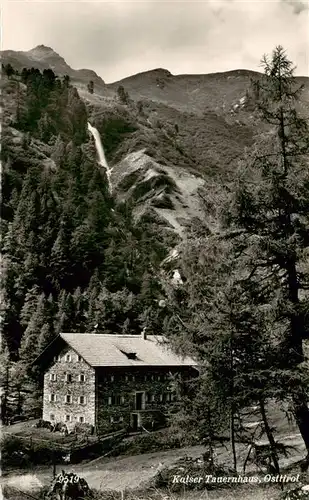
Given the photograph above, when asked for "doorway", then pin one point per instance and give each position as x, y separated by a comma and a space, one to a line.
134, 421
139, 401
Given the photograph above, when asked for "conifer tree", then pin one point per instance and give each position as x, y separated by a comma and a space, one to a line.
29, 348
90, 87
265, 241
271, 209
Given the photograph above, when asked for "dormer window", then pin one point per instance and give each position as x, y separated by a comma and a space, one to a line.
130, 355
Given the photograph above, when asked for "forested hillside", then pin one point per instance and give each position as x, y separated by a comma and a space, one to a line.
74, 260
220, 194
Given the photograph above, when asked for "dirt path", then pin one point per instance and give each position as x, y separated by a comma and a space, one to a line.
132, 471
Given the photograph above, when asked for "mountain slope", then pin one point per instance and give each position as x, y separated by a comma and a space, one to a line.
173, 127
43, 57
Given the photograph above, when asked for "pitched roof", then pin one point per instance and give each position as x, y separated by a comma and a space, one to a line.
111, 350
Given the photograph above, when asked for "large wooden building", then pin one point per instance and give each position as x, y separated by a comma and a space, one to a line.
110, 381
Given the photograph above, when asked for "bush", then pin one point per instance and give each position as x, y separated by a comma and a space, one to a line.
145, 443
193, 468
114, 129
299, 493
18, 452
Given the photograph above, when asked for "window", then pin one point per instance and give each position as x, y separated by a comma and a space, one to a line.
122, 400
68, 398
81, 420
53, 377
168, 397
51, 416
82, 400
114, 400
161, 397
126, 378
68, 377
82, 377
68, 357
112, 378
145, 378
146, 397
116, 419
133, 378
52, 398
68, 418
79, 358
59, 357
152, 398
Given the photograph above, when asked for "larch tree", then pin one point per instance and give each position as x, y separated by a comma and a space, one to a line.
271, 209
260, 251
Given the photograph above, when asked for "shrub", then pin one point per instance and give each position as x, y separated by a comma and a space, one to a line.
123, 96
145, 443
113, 130
302, 492
193, 468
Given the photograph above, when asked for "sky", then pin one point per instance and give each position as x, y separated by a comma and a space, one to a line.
120, 38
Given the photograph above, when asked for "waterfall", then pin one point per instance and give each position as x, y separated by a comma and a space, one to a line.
101, 154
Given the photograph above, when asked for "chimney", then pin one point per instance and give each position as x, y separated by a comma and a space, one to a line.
144, 333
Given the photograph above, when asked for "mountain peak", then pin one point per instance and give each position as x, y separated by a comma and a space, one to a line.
41, 48
41, 51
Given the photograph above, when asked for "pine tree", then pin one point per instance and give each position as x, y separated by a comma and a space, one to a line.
123, 95
29, 348
90, 87
9, 70
5, 365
